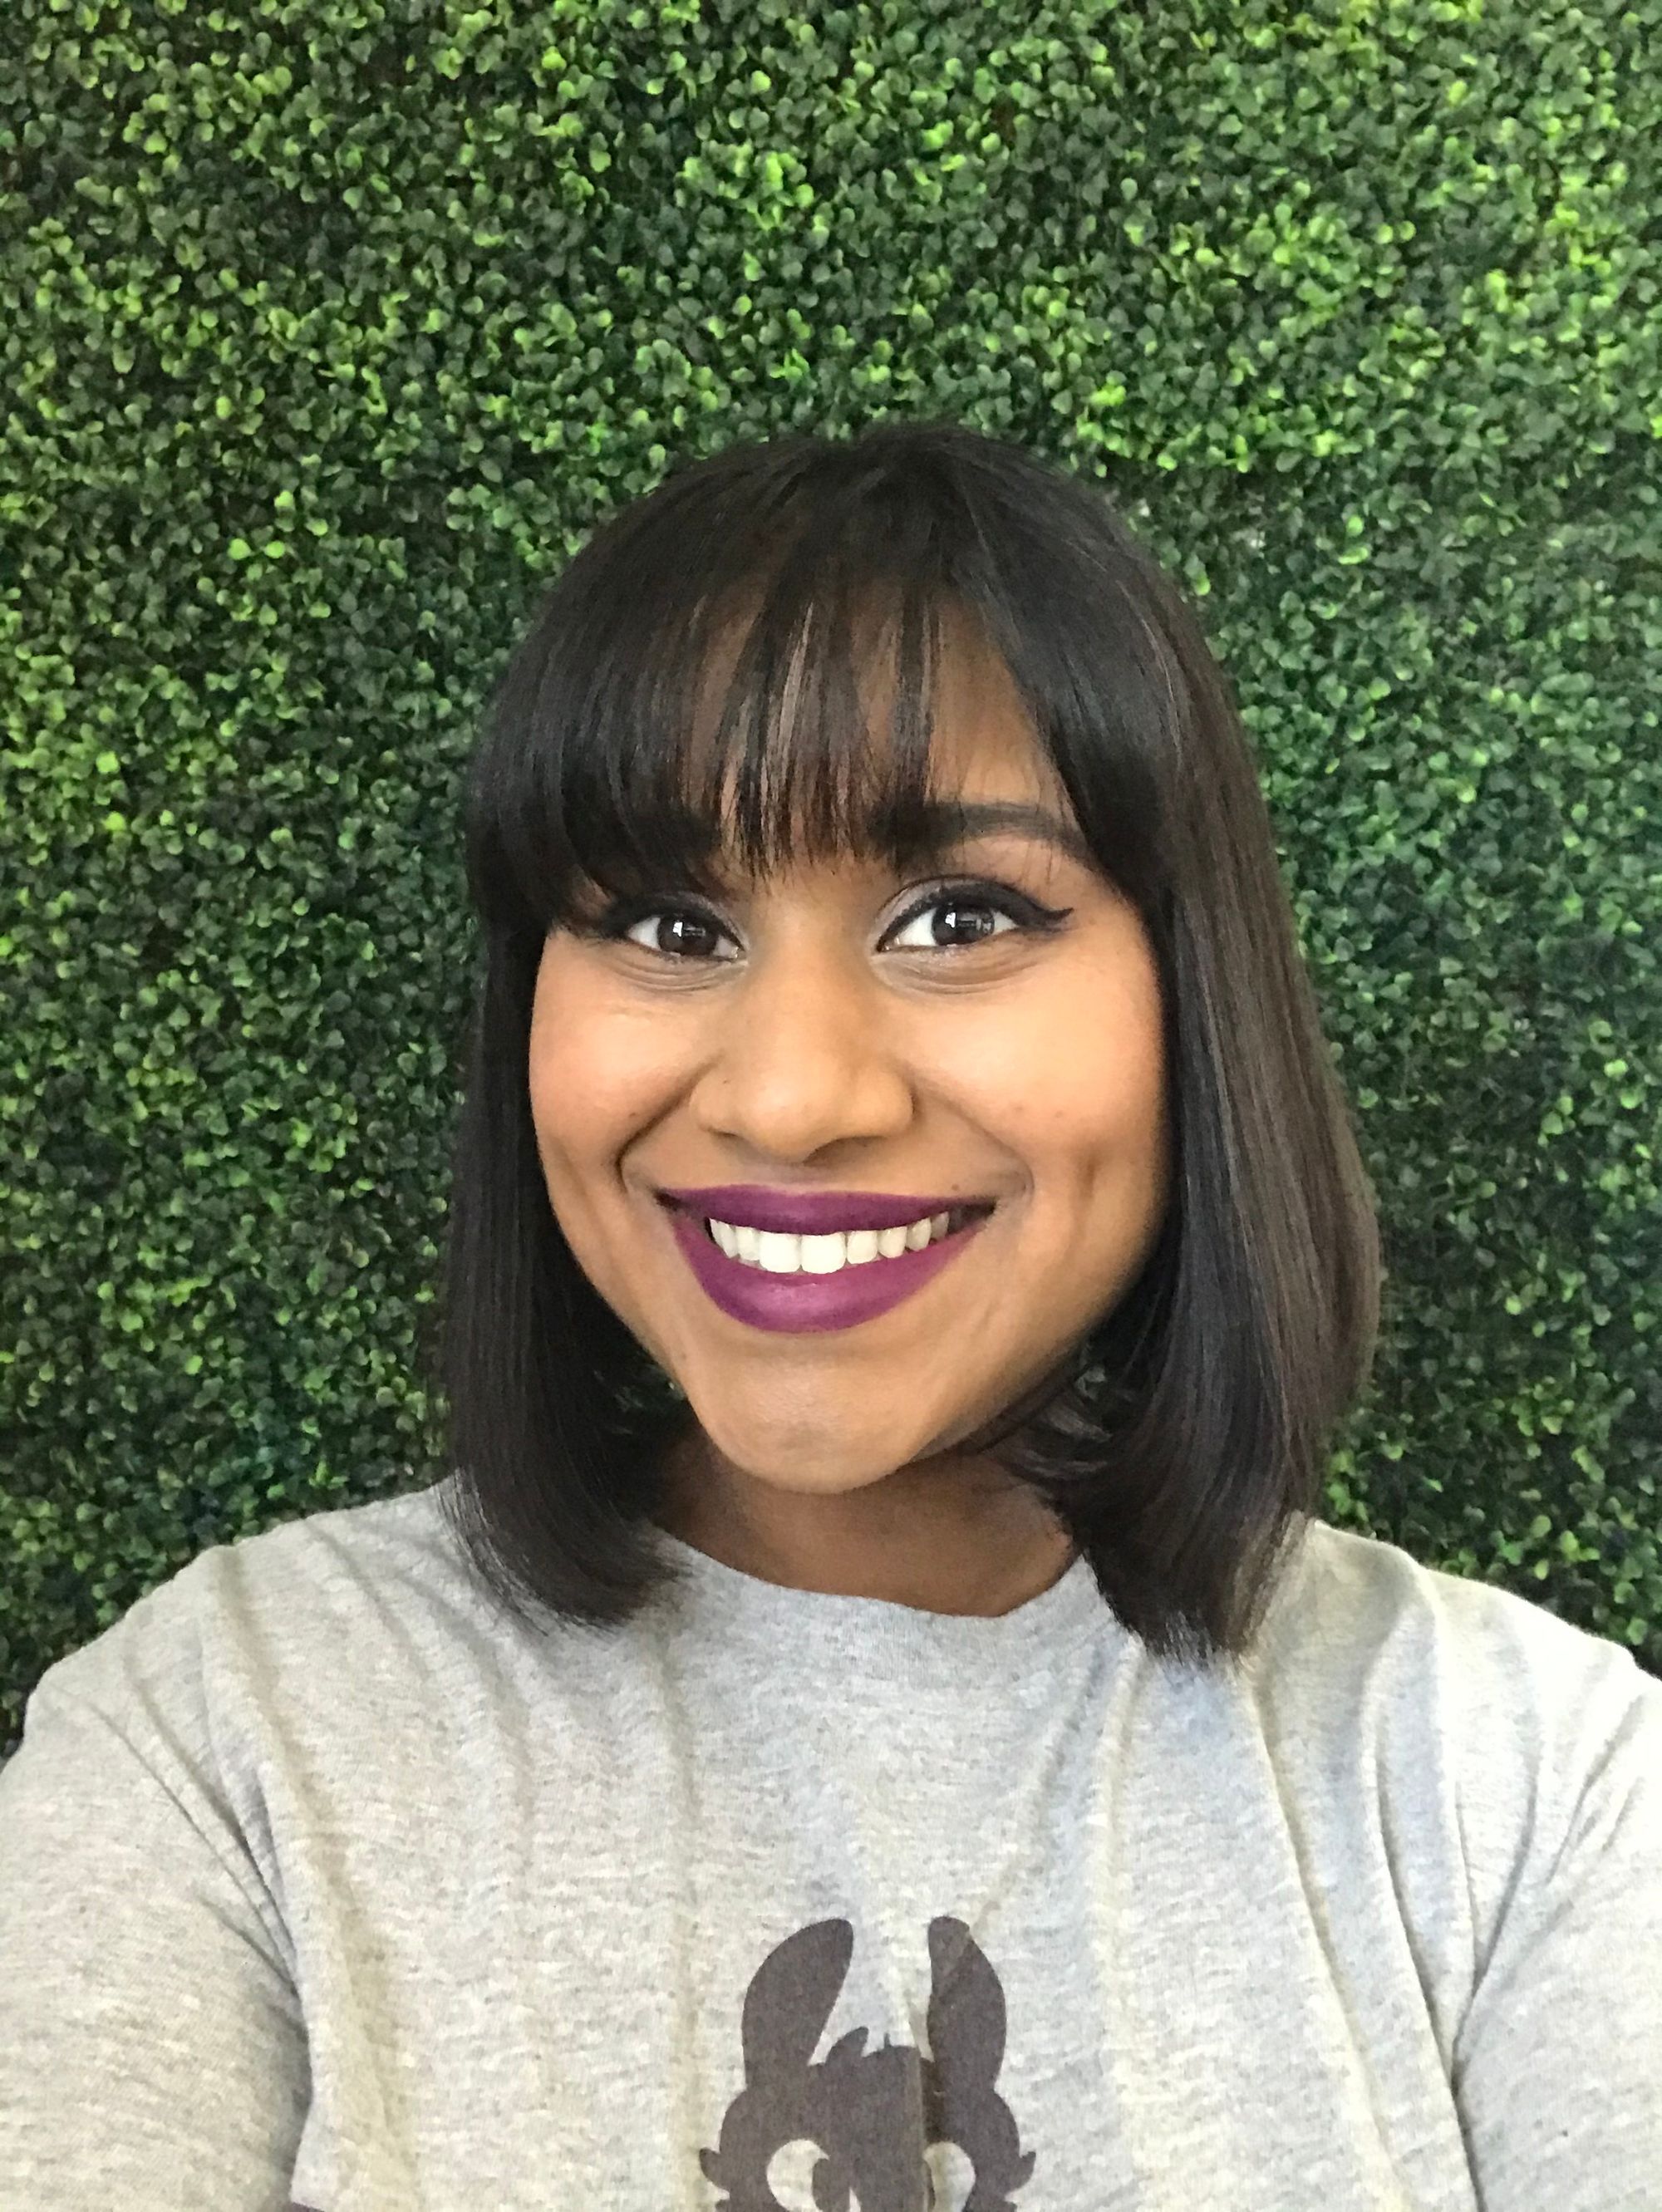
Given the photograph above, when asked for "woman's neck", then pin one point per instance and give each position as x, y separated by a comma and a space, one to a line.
944, 1535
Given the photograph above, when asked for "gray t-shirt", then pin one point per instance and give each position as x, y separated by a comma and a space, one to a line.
323, 1883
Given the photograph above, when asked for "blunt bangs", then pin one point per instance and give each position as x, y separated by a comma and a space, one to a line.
696, 684
696, 690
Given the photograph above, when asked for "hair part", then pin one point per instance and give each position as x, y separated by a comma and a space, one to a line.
692, 682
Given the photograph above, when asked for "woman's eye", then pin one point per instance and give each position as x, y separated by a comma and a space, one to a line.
957, 905
678, 932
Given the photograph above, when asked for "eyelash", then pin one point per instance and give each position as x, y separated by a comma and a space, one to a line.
1038, 920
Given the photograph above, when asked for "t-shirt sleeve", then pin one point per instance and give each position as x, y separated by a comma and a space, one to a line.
1557, 2070
152, 2050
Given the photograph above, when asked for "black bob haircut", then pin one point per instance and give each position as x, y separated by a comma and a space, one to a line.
1186, 1439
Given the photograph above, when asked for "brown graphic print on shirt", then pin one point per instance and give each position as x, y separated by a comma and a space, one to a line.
856, 2127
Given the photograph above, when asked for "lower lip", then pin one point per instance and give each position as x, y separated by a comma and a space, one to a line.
811, 1302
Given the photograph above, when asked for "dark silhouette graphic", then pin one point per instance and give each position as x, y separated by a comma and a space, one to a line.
853, 2130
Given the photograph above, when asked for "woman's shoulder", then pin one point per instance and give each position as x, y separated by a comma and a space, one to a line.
307, 1595
1364, 1595
1364, 1638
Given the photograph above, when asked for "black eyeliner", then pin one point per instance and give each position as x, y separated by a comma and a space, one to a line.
621, 916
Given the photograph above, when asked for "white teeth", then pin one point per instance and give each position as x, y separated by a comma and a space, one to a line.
778, 1253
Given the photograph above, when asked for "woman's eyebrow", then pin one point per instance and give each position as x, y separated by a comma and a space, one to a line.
943, 823
931, 830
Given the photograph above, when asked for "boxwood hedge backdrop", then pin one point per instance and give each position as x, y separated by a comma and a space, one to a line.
329, 331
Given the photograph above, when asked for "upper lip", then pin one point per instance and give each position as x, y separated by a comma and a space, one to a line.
812, 1213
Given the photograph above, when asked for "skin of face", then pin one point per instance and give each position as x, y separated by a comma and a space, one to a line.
802, 1045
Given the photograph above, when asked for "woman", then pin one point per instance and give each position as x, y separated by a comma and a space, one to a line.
869, 1717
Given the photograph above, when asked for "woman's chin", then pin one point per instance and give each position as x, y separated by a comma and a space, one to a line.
814, 1457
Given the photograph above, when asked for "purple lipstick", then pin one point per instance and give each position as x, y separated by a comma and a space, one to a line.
855, 1292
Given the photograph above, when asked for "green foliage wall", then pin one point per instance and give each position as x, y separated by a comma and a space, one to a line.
329, 329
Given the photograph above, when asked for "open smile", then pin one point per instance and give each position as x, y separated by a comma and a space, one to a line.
774, 1280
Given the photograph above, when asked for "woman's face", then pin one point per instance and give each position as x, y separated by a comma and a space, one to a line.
817, 1033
